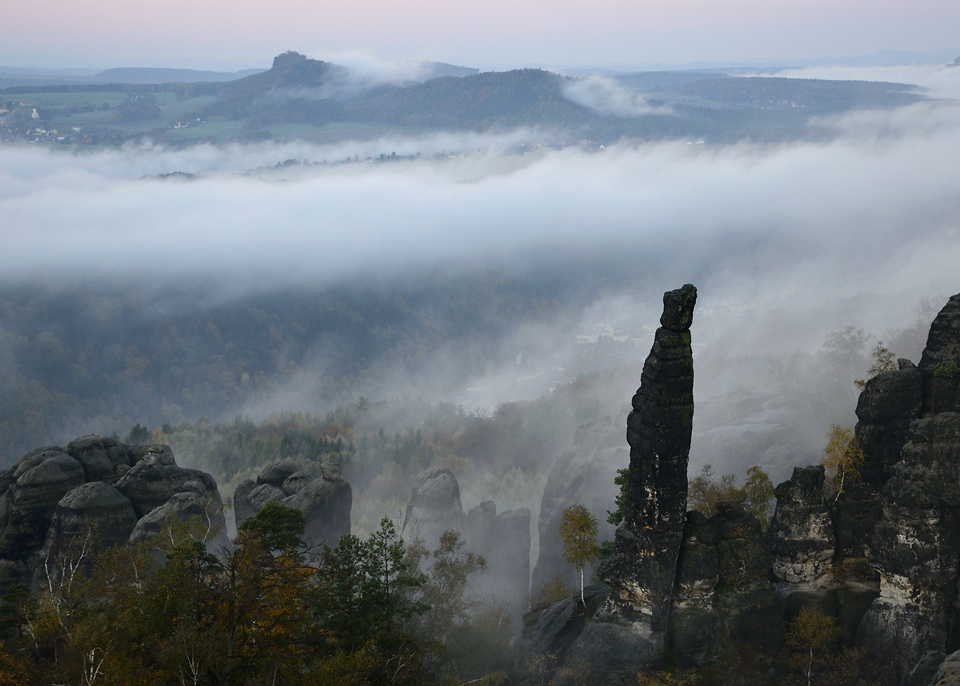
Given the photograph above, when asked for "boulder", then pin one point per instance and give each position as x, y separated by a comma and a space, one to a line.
156, 477
184, 506
94, 515
103, 458
326, 504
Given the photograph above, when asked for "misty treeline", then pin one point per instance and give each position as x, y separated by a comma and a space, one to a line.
74, 360
268, 609
382, 446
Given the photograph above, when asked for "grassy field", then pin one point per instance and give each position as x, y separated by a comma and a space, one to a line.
62, 100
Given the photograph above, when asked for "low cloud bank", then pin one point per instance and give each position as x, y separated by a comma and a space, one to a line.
941, 80
816, 229
604, 96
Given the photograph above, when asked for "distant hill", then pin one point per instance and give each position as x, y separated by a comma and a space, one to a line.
524, 97
159, 75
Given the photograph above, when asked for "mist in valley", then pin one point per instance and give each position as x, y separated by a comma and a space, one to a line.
447, 289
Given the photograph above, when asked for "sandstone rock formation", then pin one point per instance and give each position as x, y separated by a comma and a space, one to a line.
883, 556
434, 507
502, 539
90, 494
325, 501
628, 631
582, 475
916, 545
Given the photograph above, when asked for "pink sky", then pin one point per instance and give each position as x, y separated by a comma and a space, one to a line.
484, 32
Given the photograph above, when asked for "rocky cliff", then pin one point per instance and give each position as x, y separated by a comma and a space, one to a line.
626, 626
883, 556
325, 501
94, 493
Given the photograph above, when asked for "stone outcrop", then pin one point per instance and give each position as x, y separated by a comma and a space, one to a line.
801, 532
745, 603
582, 475
154, 479
503, 539
184, 505
628, 631
89, 495
642, 569
35, 484
916, 545
325, 501
434, 507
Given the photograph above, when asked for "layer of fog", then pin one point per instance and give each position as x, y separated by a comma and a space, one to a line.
940, 80
604, 96
785, 243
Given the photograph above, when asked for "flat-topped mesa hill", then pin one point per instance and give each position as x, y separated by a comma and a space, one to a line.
297, 89
95, 492
882, 557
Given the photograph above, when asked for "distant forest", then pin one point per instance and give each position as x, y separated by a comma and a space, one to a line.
301, 98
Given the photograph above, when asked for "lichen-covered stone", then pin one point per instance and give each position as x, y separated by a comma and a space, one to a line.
801, 532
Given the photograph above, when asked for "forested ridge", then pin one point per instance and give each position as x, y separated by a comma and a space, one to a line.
100, 360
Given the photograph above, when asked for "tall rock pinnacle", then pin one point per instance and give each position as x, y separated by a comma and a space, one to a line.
629, 631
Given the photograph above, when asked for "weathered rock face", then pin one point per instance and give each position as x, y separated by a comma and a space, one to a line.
92, 491
642, 570
94, 514
887, 405
325, 501
503, 540
626, 628
326, 504
582, 475
154, 479
746, 603
693, 618
801, 532
37, 482
916, 545
183, 506
103, 459
434, 507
